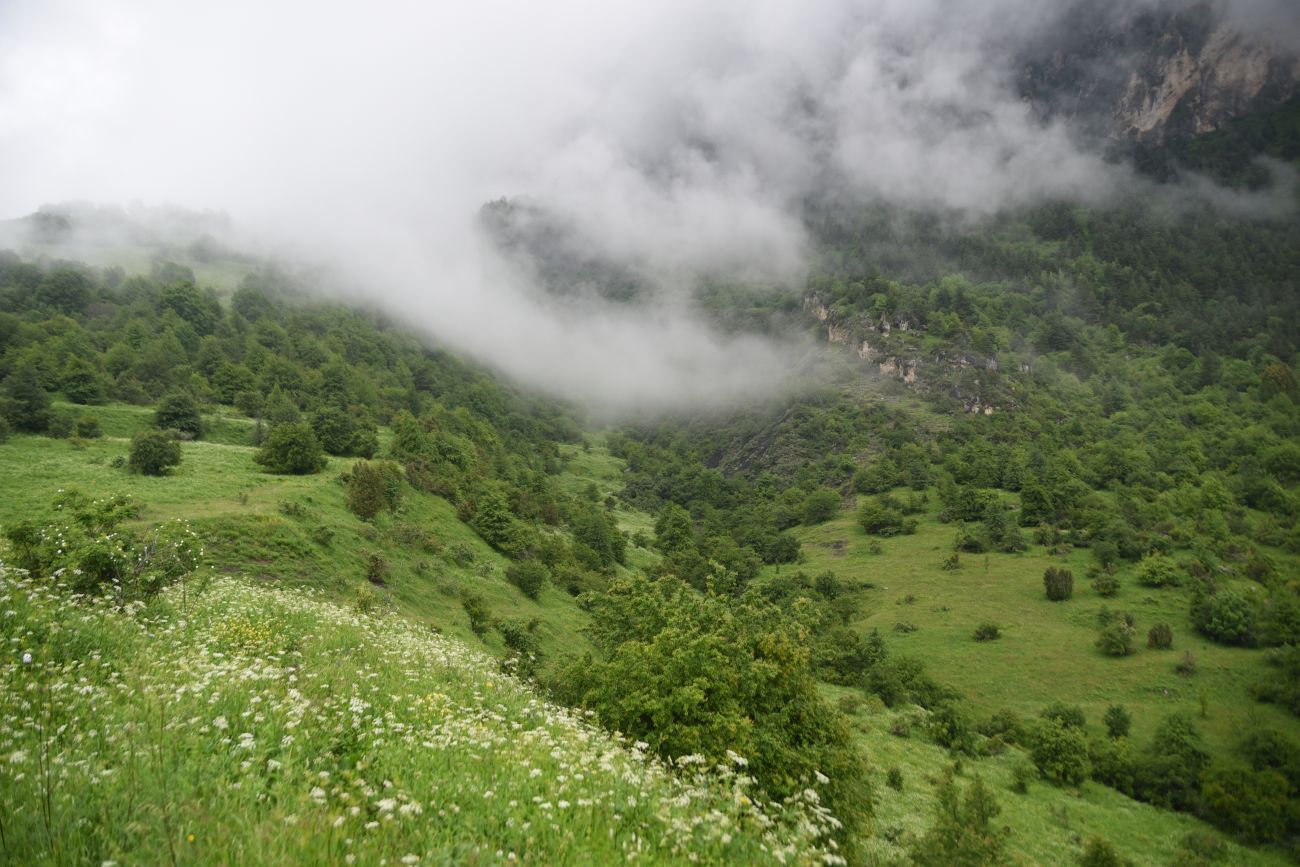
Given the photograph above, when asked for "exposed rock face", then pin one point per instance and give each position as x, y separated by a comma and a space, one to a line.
904, 369
1155, 74
814, 305
1194, 90
898, 357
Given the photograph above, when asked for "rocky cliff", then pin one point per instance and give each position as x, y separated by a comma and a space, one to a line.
1158, 74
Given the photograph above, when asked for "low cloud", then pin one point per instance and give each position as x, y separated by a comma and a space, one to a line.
680, 137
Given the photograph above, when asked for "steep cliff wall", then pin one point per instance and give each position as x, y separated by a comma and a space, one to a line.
1156, 75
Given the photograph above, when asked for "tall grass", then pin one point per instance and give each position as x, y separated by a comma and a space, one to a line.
245, 725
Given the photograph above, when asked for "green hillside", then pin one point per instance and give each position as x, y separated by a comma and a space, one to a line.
248, 725
841, 593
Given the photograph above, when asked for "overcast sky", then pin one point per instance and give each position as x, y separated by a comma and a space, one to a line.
676, 134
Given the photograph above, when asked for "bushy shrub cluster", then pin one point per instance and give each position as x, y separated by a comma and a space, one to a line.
1059, 583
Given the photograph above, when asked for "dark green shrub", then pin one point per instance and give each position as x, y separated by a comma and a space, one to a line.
179, 412
530, 576
703, 674
1105, 584
1004, 724
153, 452
1059, 583
950, 727
1070, 716
1254, 805
876, 479
1011, 540
970, 542
1168, 774
963, 832
494, 522
987, 632
1114, 764
61, 424
1160, 637
1117, 720
1021, 776
1101, 853
293, 509
600, 532
82, 383
841, 656
480, 618
1059, 752
965, 503
521, 641
87, 427
374, 486
1118, 633
1159, 570
377, 569
1229, 616
24, 402
1106, 553
1283, 687
462, 554
576, 581
879, 519
365, 444
820, 506
335, 428
894, 779
291, 449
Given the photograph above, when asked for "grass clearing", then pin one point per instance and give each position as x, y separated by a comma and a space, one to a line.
1044, 645
257, 726
298, 532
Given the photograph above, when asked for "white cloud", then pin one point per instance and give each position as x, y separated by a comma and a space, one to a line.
679, 136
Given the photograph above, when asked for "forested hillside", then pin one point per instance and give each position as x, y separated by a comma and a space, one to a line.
854, 433
1094, 408
1036, 523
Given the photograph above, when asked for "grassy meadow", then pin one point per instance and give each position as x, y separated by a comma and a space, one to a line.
1046, 652
297, 530
249, 725
392, 735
